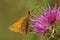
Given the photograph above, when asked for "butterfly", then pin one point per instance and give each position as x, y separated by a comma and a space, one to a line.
22, 25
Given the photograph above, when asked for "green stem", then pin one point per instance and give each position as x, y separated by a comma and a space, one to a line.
31, 37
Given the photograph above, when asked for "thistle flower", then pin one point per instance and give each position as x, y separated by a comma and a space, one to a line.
48, 17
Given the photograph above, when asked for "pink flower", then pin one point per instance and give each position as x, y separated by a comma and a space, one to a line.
44, 21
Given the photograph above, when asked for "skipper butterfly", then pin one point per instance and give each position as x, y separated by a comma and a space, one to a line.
22, 25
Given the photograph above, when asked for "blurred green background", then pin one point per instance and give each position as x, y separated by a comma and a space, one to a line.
11, 11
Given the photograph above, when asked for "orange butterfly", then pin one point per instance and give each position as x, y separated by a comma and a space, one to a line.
22, 25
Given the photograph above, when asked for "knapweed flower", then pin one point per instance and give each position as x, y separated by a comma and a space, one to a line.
48, 17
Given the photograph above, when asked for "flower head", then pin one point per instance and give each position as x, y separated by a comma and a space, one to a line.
48, 18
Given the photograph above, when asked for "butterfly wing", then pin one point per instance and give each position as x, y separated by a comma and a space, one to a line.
25, 25
16, 27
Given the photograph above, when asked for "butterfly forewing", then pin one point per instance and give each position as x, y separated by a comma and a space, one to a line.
16, 27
